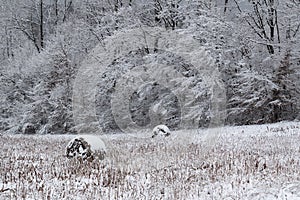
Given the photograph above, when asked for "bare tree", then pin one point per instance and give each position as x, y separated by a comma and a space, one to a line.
29, 20
263, 20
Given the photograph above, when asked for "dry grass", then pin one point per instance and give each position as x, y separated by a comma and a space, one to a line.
249, 166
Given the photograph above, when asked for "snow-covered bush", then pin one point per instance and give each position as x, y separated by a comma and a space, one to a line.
161, 130
86, 147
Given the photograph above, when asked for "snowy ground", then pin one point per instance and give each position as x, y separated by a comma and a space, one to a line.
247, 162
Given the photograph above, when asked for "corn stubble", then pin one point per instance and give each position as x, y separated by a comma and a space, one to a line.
237, 167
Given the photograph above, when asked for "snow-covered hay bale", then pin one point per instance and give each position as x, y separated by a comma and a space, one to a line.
28, 128
161, 130
86, 147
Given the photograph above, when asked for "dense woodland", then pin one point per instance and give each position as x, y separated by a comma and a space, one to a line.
255, 45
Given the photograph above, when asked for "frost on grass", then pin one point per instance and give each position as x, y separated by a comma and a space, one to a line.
86, 147
248, 162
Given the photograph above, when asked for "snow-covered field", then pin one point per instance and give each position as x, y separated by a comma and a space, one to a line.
247, 162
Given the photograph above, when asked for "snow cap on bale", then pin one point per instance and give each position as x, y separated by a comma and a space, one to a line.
86, 147
161, 130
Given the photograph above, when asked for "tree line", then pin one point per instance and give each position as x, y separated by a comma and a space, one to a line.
254, 43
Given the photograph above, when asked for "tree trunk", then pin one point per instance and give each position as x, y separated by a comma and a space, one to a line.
41, 25
225, 6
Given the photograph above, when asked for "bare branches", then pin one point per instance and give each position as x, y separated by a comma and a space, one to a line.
263, 21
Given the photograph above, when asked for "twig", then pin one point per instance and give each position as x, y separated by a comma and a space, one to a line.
4, 189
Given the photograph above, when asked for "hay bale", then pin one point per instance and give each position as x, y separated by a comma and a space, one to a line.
29, 129
161, 130
86, 147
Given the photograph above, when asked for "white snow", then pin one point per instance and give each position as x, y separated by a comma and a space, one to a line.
97, 144
242, 162
161, 130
